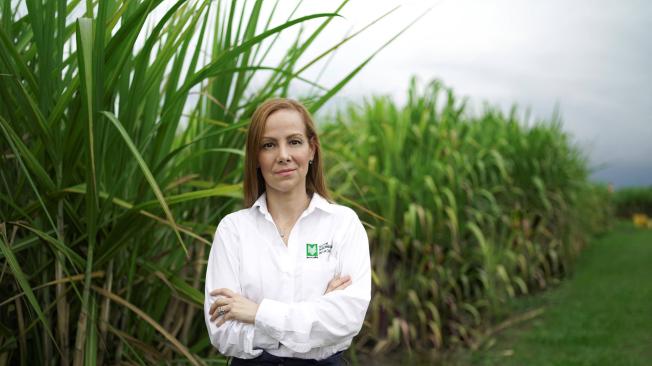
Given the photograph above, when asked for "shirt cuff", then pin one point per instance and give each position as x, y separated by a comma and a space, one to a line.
270, 317
262, 340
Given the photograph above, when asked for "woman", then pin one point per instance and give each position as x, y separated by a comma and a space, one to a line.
288, 278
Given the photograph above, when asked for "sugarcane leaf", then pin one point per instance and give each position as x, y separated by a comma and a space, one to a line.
20, 277
159, 328
148, 175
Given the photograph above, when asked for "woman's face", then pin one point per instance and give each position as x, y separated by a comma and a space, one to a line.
285, 152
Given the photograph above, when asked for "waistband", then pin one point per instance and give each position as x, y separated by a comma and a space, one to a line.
267, 359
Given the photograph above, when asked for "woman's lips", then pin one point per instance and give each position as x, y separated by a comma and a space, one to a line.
285, 173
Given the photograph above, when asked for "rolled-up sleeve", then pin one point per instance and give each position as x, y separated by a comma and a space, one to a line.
232, 338
333, 318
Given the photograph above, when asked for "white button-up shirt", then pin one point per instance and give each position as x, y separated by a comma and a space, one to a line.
294, 318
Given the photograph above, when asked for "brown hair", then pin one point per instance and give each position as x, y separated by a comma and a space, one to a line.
254, 183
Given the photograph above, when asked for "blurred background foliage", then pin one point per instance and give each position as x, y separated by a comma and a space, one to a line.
633, 200
121, 143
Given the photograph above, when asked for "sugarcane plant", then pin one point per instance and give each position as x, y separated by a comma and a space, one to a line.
122, 126
464, 211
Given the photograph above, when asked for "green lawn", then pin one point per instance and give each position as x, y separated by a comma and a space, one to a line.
601, 315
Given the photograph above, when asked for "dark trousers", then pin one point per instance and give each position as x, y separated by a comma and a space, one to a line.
266, 359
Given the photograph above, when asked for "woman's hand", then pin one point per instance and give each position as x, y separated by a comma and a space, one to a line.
238, 307
234, 306
338, 283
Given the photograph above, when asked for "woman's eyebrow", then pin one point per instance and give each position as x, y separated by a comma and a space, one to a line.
288, 137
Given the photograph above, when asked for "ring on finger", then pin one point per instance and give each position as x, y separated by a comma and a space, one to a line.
221, 311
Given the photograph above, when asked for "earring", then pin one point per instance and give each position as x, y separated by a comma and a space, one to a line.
310, 162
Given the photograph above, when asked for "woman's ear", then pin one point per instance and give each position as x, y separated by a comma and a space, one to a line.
312, 148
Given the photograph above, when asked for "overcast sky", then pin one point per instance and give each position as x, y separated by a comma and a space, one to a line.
592, 59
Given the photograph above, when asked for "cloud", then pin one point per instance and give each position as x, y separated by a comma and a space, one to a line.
591, 58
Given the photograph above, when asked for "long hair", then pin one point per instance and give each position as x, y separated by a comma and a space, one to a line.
254, 183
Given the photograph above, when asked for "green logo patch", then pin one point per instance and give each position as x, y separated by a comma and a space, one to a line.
312, 250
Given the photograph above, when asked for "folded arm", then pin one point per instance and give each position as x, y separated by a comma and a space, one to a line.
332, 318
233, 338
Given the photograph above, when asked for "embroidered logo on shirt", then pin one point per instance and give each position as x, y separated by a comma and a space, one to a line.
325, 248
312, 250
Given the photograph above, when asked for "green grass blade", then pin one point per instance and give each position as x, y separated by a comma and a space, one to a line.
180, 347
148, 174
20, 277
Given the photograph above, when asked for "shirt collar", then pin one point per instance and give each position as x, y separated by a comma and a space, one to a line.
317, 201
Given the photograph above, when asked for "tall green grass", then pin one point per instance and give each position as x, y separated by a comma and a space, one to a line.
633, 200
122, 125
121, 141
464, 211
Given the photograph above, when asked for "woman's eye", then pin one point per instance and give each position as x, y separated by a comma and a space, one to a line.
296, 142
268, 145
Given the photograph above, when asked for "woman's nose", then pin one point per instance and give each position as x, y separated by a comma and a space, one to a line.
283, 153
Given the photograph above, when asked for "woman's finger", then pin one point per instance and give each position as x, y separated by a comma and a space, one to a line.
344, 285
222, 319
332, 284
223, 292
219, 302
333, 281
216, 314
337, 282
225, 308
342, 281
213, 308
